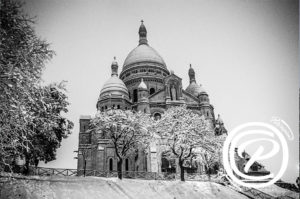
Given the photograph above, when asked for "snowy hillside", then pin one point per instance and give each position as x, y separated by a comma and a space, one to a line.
112, 188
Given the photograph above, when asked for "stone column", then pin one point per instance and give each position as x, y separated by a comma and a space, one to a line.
153, 158
159, 161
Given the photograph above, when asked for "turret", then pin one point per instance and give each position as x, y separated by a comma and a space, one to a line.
220, 128
203, 96
193, 88
114, 68
143, 102
192, 74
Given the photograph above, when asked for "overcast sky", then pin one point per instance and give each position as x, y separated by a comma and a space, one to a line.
245, 54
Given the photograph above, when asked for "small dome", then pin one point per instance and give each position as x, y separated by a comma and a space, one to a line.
202, 90
114, 87
219, 120
143, 53
195, 89
142, 85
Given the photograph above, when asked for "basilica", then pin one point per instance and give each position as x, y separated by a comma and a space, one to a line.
144, 84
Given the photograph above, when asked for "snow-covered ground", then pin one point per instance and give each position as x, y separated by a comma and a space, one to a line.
277, 191
112, 188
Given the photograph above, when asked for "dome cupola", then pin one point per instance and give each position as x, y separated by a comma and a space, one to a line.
203, 96
143, 34
192, 74
114, 68
193, 88
114, 87
202, 90
219, 120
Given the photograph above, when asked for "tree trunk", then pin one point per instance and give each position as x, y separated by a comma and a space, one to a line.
26, 166
208, 175
119, 168
208, 172
36, 162
181, 170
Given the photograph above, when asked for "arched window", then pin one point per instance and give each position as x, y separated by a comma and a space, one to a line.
111, 164
118, 106
157, 116
105, 107
135, 95
113, 106
207, 113
102, 108
152, 90
126, 165
125, 108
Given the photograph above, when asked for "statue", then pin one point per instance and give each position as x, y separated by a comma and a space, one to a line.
173, 92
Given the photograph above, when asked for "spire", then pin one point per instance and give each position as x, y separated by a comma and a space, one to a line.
143, 34
192, 74
114, 68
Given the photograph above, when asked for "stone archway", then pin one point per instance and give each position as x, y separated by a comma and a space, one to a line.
157, 116
167, 165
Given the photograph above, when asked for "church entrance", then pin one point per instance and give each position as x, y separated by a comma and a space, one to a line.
135, 95
168, 165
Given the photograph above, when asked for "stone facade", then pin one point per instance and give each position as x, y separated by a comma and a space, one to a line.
145, 84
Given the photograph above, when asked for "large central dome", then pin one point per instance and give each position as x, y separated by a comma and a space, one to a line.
143, 53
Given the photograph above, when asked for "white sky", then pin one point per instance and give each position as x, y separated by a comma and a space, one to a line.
245, 54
